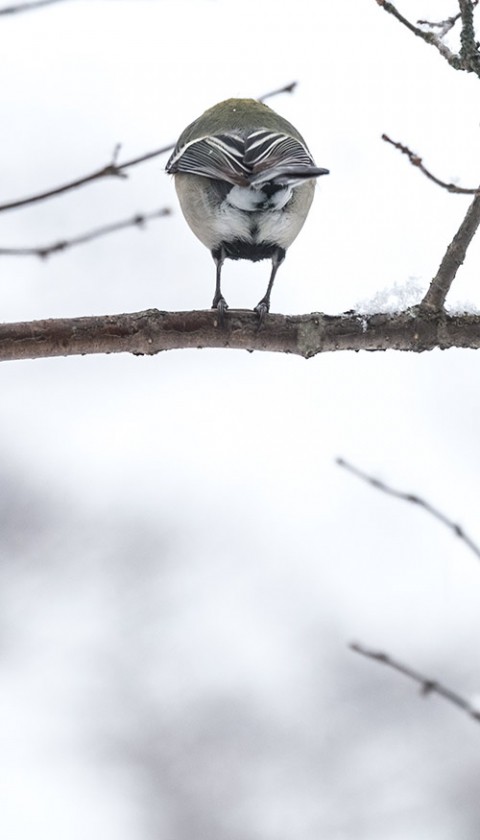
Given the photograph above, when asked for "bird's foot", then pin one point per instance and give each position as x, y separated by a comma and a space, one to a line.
220, 304
262, 309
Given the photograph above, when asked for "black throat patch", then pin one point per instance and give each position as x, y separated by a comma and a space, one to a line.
240, 249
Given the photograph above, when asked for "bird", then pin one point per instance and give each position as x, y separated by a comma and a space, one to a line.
245, 180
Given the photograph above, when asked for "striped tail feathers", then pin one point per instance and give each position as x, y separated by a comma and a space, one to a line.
287, 175
220, 157
261, 157
279, 159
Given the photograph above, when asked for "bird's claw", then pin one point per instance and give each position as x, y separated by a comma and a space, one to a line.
220, 304
262, 310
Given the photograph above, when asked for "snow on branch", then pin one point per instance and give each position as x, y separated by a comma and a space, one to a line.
151, 331
468, 59
444, 25
456, 252
453, 258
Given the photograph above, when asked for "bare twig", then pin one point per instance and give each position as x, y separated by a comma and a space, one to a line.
417, 161
427, 686
43, 251
429, 37
151, 331
112, 169
27, 7
290, 88
445, 25
453, 258
415, 500
456, 251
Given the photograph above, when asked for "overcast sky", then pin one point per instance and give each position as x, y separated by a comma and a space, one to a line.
184, 565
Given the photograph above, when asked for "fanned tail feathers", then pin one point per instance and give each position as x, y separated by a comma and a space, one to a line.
263, 156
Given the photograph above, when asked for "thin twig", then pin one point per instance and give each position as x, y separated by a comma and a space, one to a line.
414, 499
447, 24
427, 686
112, 169
27, 7
453, 258
443, 25
43, 251
417, 161
290, 88
429, 37
456, 251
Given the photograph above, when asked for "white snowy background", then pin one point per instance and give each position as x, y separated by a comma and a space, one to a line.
182, 563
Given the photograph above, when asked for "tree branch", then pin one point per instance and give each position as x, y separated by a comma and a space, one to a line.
456, 251
27, 7
149, 332
444, 25
415, 500
453, 258
469, 48
429, 37
427, 686
43, 251
113, 169
290, 88
417, 161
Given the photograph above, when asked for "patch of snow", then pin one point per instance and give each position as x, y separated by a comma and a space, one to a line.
462, 307
394, 298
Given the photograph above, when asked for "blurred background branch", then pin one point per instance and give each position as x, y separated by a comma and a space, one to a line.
427, 686
27, 7
414, 500
140, 220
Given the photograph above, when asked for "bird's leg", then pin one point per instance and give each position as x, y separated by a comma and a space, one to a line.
219, 303
263, 307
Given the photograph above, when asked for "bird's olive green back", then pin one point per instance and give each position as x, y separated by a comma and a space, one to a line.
237, 115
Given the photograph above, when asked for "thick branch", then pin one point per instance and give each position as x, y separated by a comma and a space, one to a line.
415, 500
456, 251
149, 332
469, 50
427, 686
453, 259
43, 251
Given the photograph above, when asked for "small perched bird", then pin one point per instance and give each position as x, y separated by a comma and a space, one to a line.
245, 181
